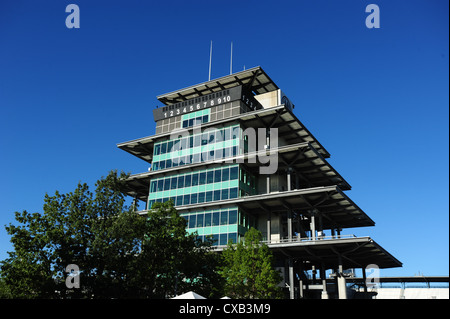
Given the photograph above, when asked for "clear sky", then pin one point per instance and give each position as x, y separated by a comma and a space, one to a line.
376, 99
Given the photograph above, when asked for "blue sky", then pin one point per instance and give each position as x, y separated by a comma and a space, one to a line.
376, 99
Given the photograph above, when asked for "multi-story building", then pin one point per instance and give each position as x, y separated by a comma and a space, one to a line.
232, 155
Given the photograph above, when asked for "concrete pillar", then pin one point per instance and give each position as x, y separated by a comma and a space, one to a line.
291, 278
289, 170
313, 226
268, 184
324, 282
342, 287
269, 226
289, 225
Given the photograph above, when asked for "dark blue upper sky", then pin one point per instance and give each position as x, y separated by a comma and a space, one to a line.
377, 99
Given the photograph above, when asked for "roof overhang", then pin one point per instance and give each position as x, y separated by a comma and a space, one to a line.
354, 252
336, 208
289, 128
254, 79
313, 170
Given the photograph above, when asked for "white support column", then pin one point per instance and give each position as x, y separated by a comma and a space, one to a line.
342, 287
313, 226
288, 174
291, 278
269, 226
324, 282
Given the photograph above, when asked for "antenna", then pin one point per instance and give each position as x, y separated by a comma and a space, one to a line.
231, 59
210, 55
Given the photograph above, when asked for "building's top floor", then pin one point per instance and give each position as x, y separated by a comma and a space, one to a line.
248, 98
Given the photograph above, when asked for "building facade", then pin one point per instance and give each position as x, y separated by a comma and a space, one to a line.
232, 155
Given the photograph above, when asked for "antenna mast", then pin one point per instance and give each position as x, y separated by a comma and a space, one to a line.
210, 55
231, 59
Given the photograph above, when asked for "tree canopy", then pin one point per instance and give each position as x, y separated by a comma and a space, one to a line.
247, 268
119, 253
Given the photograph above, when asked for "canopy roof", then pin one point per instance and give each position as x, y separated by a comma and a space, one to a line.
254, 79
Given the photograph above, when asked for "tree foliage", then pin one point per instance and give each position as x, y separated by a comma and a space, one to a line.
119, 253
247, 268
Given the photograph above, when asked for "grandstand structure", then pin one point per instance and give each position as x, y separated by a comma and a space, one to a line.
232, 154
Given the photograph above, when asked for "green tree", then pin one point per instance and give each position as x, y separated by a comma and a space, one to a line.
120, 254
247, 268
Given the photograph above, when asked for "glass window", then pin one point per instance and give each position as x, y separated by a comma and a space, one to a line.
179, 200
180, 181
153, 187
201, 197
224, 217
185, 123
234, 150
215, 238
160, 185
235, 132
204, 138
205, 118
210, 177
187, 181
196, 158
209, 196
163, 148
170, 147
217, 175
232, 217
173, 183
202, 178
234, 173
227, 135
215, 218
157, 149
197, 140
166, 184
162, 164
194, 198
233, 193
232, 237
225, 174
186, 199
217, 195
207, 219
200, 220
225, 193
223, 239
192, 220
195, 179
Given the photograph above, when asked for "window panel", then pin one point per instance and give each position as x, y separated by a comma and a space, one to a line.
200, 220
215, 218
232, 217
207, 219
223, 239
201, 198
223, 217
